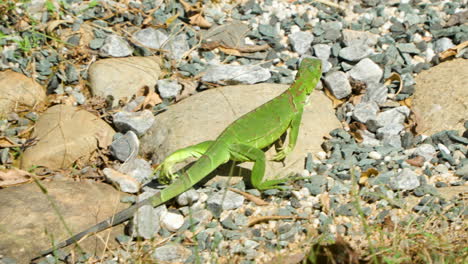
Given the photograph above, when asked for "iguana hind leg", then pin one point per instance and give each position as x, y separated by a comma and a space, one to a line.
241, 152
196, 151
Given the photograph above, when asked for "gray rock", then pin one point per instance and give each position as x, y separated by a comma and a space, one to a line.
390, 117
368, 139
339, 188
365, 111
168, 88
322, 51
122, 78
116, 46
338, 84
443, 44
366, 71
249, 74
124, 182
353, 37
171, 253
227, 199
355, 53
407, 48
317, 185
146, 222
177, 46
376, 92
425, 150
188, 197
462, 171
441, 168
138, 122
390, 130
301, 41
138, 169
151, 38
171, 221
125, 147
405, 180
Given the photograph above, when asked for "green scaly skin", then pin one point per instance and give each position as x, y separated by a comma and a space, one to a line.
243, 140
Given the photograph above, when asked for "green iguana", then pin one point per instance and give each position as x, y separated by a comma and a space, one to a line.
243, 140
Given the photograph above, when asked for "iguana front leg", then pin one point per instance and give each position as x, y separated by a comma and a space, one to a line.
293, 134
178, 156
240, 152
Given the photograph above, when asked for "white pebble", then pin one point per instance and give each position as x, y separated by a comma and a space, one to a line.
172, 221
375, 155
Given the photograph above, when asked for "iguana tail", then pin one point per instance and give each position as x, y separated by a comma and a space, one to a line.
114, 220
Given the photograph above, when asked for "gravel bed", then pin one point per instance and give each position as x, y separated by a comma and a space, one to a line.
369, 175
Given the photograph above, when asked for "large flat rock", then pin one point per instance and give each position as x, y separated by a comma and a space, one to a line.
205, 115
16, 90
28, 221
66, 134
441, 97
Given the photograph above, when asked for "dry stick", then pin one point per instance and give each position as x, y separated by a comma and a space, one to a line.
248, 196
259, 219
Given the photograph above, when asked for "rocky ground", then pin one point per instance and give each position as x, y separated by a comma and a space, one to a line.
95, 94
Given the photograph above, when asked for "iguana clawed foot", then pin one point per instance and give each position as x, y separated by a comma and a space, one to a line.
166, 176
282, 153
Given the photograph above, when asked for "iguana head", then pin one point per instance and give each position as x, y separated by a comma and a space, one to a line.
309, 74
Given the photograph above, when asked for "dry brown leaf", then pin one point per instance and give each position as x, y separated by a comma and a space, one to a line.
13, 177
395, 77
417, 161
369, 173
50, 26
406, 102
5, 142
229, 51
171, 19
151, 98
335, 101
199, 20
187, 7
190, 87
453, 51
325, 201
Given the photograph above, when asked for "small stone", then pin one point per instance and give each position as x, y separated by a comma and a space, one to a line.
126, 183
172, 221
301, 41
138, 122
138, 169
427, 151
188, 197
322, 51
151, 38
168, 88
462, 171
375, 92
365, 111
338, 84
355, 53
443, 44
366, 71
249, 74
171, 253
405, 180
177, 46
125, 147
375, 155
229, 200
116, 46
